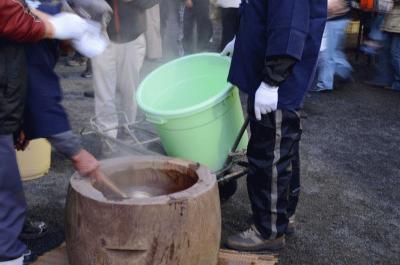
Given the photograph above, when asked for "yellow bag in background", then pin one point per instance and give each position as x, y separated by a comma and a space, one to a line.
35, 161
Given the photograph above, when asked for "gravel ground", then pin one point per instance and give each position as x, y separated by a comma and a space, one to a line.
349, 212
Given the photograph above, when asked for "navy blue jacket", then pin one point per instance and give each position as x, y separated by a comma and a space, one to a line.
270, 28
44, 114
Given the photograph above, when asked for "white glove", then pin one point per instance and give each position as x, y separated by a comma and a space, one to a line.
229, 48
33, 4
266, 100
92, 42
68, 26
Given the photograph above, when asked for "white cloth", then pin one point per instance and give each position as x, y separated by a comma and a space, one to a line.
115, 79
93, 42
18, 261
228, 3
68, 26
34, 4
90, 45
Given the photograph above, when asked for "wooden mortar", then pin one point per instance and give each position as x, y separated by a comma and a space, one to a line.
172, 217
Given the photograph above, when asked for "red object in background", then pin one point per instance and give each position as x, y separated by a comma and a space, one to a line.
66, 48
367, 5
116, 17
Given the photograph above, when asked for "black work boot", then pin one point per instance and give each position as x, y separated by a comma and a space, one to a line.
251, 240
291, 228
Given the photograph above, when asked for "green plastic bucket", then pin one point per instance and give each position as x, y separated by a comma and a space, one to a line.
197, 113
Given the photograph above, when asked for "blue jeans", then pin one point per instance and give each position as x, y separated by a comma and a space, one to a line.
332, 60
12, 202
395, 52
387, 70
376, 33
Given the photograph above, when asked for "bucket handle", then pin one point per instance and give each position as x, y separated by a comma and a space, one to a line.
155, 120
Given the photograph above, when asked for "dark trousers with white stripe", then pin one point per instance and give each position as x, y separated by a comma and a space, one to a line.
294, 186
273, 181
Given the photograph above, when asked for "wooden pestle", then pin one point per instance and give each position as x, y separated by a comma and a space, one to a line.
101, 182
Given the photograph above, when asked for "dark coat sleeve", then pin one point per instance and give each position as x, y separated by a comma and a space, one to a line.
277, 69
17, 23
287, 27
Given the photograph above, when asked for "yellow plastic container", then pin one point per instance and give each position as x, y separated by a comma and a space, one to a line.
35, 161
353, 27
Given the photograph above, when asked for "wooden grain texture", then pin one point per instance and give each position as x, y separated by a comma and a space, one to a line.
229, 257
59, 257
178, 228
56, 256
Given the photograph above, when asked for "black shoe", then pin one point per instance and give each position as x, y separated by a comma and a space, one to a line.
252, 241
344, 80
376, 84
321, 89
33, 230
29, 257
73, 62
88, 94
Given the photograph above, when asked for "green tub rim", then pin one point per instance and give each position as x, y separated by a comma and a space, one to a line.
151, 112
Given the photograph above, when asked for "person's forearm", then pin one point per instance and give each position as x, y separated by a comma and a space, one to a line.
17, 23
67, 143
49, 29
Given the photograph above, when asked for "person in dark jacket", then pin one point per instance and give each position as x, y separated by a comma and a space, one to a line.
19, 25
274, 59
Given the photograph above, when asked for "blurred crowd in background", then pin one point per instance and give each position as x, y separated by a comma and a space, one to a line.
378, 27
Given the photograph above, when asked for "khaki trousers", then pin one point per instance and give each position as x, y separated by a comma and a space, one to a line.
115, 79
153, 34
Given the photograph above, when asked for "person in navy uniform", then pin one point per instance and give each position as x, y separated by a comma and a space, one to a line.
274, 58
